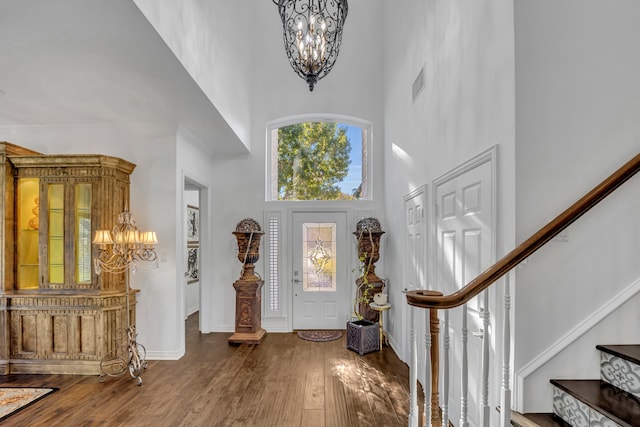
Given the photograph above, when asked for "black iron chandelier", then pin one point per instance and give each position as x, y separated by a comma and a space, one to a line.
312, 33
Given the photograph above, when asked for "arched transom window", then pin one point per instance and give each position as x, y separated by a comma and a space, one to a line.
318, 159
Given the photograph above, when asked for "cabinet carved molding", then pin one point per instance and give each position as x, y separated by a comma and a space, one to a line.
56, 315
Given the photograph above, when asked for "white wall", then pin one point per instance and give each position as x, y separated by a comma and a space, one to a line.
194, 164
577, 108
215, 41
467, 105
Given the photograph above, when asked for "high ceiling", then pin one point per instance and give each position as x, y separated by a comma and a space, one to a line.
92, 62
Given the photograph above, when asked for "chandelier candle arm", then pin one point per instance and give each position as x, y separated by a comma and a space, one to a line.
125, 247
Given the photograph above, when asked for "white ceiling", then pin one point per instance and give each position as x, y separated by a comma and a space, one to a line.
89, 62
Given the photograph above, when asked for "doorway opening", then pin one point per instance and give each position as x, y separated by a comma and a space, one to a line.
194, 215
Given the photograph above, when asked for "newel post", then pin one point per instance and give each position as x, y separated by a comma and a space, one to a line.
432, 340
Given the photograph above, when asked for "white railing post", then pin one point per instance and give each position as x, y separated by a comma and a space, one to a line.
505, 397
464, 377
485, 408
427, 370
445, 371
413, 371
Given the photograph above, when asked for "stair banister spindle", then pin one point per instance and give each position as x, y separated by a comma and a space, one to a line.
427, 371
505, 395
445, 371
413, 371
464, 376
484, 399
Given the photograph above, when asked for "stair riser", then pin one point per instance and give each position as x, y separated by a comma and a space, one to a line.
620, 373
577, 413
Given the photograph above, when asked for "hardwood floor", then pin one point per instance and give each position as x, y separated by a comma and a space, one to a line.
284, 381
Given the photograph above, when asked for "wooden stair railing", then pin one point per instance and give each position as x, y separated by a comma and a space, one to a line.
434, 300
419, 298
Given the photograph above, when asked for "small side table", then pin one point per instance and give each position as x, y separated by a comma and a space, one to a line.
381, 309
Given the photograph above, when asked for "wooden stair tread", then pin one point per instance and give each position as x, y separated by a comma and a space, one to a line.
537, 420
628, 352
616, 404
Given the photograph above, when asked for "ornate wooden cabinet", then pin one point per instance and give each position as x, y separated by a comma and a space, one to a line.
56, 315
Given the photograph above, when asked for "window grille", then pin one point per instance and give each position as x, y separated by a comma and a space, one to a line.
272, 298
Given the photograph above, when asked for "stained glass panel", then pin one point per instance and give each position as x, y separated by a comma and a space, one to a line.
319, 251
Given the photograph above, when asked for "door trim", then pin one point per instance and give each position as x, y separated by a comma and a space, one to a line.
492, 298
490, 156
349, 257
421, 192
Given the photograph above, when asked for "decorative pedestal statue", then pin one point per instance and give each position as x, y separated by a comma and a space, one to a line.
248, 296
368, 233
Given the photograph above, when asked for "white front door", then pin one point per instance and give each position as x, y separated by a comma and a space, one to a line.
321, 297
464, 208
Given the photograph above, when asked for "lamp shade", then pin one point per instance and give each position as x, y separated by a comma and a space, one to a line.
131, 237
102, 237
149, 238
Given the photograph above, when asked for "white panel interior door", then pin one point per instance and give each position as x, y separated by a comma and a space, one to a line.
321, 297
464, 219
415, 270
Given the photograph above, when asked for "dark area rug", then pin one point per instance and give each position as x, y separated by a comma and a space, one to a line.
320, 335
13, 399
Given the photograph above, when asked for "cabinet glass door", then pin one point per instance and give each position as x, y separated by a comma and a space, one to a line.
28, 222
83, 233
56, 233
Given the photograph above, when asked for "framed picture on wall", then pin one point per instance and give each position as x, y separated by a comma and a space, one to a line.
193, 224
193, 264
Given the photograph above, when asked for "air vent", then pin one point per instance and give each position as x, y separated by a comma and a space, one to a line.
418, 84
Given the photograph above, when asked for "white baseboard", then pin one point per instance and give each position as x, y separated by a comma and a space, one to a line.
165, 355
276, 324
224, 328
193, 310
395, 346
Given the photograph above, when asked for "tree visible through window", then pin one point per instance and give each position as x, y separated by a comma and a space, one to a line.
319, 161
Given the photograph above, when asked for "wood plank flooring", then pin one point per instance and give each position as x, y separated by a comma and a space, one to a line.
284, 381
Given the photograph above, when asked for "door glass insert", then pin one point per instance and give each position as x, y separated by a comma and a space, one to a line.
319, 251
